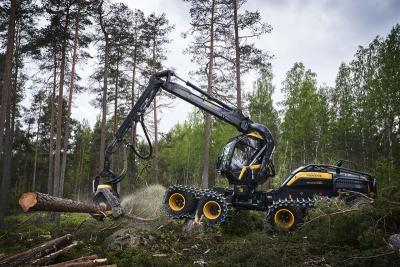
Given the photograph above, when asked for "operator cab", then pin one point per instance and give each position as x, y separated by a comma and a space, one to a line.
240, 159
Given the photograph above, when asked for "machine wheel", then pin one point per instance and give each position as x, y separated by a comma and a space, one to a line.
213, 207
284, 217
179, 202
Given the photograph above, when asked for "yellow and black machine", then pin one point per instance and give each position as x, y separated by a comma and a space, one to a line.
246, 162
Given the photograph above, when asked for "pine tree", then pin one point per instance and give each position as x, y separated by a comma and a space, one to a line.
105, 36
239, 29
203, 21
137, 56
155, 34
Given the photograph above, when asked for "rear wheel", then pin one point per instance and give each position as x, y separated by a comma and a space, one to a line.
284, 217
179, 202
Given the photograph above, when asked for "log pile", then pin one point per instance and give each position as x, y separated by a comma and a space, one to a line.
49, 252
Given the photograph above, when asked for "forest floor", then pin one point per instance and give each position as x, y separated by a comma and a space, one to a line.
335, 236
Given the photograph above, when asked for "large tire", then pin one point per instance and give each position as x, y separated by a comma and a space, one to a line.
285, 218
213, 207
179, 202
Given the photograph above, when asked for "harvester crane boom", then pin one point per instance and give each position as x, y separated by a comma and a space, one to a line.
245, 161
203, 100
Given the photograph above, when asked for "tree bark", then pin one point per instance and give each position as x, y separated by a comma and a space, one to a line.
207, 117
37, 252
5, 114
36, 201
237, 59
57, 158
71, 92
104, 96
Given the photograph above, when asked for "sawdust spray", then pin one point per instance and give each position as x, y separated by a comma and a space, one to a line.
147, 202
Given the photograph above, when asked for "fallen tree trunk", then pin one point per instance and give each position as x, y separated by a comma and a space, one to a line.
70, 262
36, 201
87, 263
37, 252
51, 257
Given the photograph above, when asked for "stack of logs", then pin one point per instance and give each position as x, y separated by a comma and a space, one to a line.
48, 253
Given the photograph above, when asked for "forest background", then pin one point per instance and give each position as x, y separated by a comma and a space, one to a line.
45, 45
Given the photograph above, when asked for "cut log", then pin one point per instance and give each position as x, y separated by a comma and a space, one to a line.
37, 252
52, 256
81, 259
87, 263
35, 201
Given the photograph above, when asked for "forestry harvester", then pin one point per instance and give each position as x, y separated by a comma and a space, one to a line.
246, 162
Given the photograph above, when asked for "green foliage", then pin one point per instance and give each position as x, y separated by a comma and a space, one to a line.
261, 106
303, 119
360, 231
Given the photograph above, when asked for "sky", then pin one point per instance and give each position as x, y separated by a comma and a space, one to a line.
320, 33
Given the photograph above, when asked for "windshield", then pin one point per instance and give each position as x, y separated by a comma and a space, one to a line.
226, 154
243, 152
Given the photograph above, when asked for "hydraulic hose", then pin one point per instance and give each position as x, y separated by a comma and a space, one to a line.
133, 147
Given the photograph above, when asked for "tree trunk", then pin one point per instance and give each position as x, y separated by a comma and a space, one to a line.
207, 117
43, 261
78, 260
104, 96
15, 82
36, 148
57, 158
155, 139
115, 124
36, 201
237, 59
71, 92
52, 117
37, 252
133, 132
7, 71
5, 115
155, 117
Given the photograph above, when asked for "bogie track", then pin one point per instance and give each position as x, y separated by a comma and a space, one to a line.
187, 202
